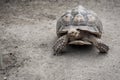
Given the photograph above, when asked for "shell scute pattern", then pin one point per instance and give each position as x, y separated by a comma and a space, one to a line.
80, 16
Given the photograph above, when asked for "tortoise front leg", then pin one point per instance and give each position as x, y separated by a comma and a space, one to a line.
103, 48
60, 45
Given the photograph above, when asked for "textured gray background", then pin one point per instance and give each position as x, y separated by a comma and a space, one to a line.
30, 25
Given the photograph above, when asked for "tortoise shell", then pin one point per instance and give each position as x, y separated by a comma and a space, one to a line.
79, 18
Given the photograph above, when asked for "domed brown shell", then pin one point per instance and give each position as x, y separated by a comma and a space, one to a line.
80, 18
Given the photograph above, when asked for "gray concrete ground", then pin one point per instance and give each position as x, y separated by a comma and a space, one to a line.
27, 29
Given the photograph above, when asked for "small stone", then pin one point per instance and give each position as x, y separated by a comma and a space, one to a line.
16, 46
5, 78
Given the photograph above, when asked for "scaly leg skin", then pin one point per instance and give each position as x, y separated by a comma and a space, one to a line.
60, 45
103, 48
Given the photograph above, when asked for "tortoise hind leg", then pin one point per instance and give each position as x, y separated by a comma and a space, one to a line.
60, 45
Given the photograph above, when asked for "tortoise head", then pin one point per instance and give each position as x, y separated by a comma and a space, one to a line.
73, 33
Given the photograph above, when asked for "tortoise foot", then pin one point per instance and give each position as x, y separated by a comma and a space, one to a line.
103, 48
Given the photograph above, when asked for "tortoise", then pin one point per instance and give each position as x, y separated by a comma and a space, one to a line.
79, 26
